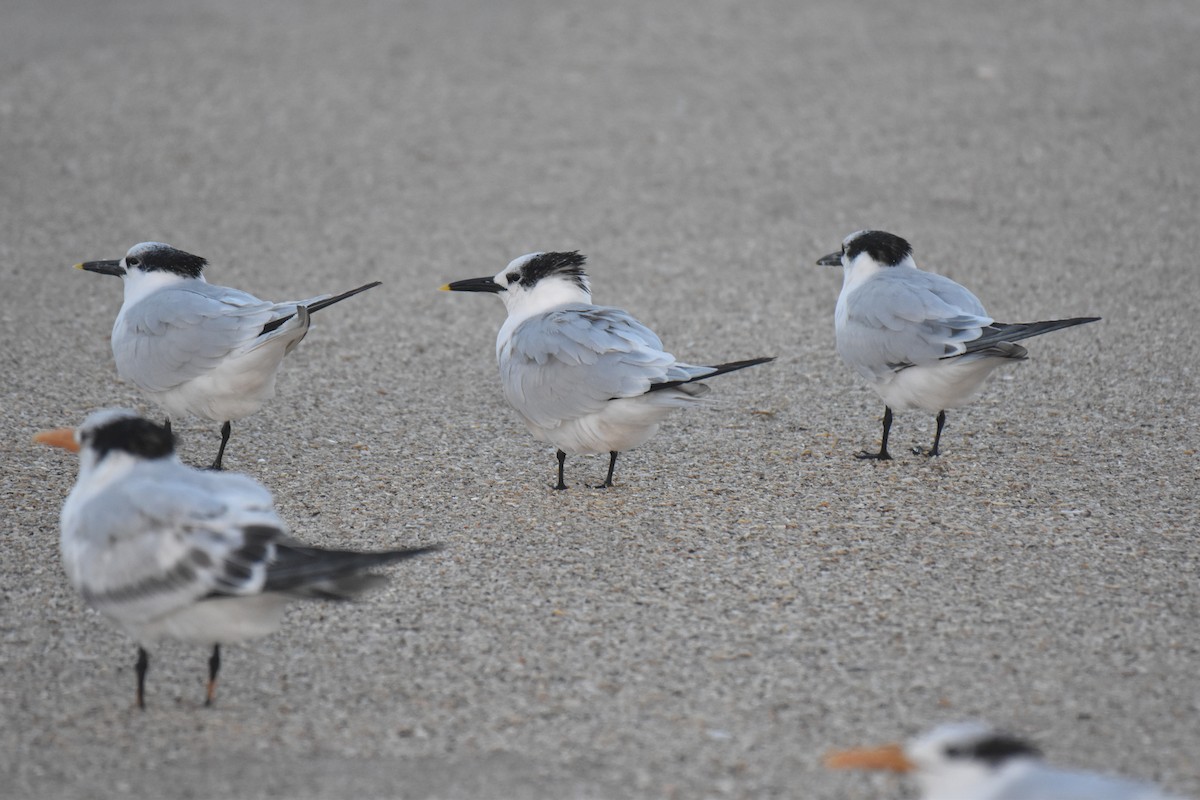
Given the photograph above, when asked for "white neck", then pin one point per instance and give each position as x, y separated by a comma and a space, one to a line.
94, 478
863, 267
139, 284
548, 294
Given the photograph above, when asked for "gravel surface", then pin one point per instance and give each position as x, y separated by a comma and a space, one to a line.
749, 595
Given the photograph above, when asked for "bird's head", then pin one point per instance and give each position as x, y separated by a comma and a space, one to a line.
534, 282
949, 761
112, 433
873, 249
147, 258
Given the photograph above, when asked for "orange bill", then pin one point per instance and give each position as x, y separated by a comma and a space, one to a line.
889, 757
62, 437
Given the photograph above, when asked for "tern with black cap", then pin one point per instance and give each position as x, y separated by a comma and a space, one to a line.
584, 378
168, 551
921, 340
196, 348
974, 761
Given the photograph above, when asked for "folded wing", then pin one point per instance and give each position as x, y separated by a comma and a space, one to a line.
903, 317
166, 538
177, 334
572, 361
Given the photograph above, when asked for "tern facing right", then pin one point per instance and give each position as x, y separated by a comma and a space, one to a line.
585, 378
168, 551
972, 761
921, 340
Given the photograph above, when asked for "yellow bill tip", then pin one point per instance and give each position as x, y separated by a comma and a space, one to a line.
445, 288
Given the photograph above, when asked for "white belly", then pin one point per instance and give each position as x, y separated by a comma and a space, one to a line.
223, 620
236, 387
621, 425
938, 386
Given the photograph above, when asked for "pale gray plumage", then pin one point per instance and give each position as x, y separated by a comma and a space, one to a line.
974, 761
172, 337
1046, 783
585, 378
199, 349
904, 317
572, 361
168, 551
921, 340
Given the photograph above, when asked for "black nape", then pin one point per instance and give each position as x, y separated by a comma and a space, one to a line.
994, 750
134, 435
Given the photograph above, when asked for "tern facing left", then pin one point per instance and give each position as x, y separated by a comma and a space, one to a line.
585, 378
973, 761
168, 551
921, 340
195, 348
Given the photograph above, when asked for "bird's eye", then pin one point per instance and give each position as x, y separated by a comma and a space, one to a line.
953, 751
512, 277
133, 261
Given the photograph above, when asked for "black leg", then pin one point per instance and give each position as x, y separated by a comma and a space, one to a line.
143, 664
937, 437
226, 429
612, 464
883, 454
214, 664
562, 459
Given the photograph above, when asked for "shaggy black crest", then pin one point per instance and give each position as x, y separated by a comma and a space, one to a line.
994, 750
885, 248
546, 264
135, 435
168, 259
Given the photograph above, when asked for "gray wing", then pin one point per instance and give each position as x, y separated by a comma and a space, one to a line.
570, 362
1046, 783
176, 334
169, 536
902, 316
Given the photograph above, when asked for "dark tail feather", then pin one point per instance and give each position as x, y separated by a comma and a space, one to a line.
330, 574
339, 298
1016, 331
317, 306
719, 369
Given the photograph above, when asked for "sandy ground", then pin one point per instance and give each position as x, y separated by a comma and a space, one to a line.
749, 595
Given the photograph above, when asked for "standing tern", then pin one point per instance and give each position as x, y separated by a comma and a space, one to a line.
972, 761
168, 551
195, 348
921, 340
585, 378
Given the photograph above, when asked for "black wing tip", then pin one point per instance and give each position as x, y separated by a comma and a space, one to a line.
734, 366
717, 369
749, 362
317, 306
1066, 323
366, 559
1056, 323
411, 552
